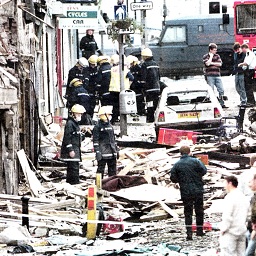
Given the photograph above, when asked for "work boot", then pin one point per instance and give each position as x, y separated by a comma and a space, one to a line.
189, 237
200, 233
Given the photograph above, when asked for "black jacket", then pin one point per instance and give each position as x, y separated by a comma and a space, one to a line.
104, 140
71, 140
136, 84
79, 72
79, 95
188, 172
103, 77
88, 46
92, 85
150, 76
238, 58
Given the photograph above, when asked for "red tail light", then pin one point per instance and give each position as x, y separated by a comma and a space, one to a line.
216, 113
161, 117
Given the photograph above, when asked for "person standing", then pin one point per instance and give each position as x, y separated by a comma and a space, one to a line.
88, 45
233, 224
188, 172
115, 85
239, 56
136, 85
92, 85
213, 62
104, 142
248, 65
150, 81
79, 72
251, 226
103, 79
71, 143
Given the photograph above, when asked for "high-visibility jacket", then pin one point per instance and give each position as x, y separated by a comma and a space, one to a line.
115, 82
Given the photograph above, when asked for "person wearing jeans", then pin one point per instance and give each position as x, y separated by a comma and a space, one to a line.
213, 62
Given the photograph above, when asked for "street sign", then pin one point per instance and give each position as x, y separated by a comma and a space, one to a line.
76, 23
78, 16
120, 12
142, 6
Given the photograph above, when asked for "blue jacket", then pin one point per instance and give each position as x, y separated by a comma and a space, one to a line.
188, 172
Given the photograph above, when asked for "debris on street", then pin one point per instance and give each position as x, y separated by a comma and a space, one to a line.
139, 211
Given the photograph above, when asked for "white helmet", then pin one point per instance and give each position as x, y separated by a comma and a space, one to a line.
146, 52
83, 62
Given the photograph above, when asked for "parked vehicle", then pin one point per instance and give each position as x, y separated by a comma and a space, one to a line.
190, 105
183, 42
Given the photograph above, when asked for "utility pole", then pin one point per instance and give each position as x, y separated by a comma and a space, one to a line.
123, 117
143, 23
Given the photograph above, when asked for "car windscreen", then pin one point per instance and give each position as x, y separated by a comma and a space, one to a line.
187, 97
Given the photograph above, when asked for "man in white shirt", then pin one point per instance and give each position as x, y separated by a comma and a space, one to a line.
248, 65
233, 225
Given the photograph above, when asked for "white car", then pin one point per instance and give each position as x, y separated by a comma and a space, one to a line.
189, 105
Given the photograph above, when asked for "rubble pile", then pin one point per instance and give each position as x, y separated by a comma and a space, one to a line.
139, 209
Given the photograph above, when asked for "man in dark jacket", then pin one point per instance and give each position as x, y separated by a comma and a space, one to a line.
188, 172
150, 81
88, 45
79, 71
92, 85
104, 142
136, 86
103, 79
71, 143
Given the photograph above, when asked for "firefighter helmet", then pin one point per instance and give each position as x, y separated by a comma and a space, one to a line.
83, 62
146, 52
76, 82
78, 109
93, 59
103, 59
105, 110
115, 59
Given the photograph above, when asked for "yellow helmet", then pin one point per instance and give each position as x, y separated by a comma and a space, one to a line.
76, 82
104, 110
93, 59
103, 59
115, 59
78, 109
146, 52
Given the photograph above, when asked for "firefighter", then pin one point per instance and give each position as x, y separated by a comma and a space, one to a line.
104, 142
103, 79
70, 148
79, 95
92, 85
79, 71
88, 45
136, 86
114, 86
150, 80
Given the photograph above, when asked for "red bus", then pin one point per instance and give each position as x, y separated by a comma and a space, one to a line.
245, 22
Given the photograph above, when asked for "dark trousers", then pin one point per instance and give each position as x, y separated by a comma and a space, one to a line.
111, 163
154, 97
114, 96
72, 172
140, 104
248, 84
190, 203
